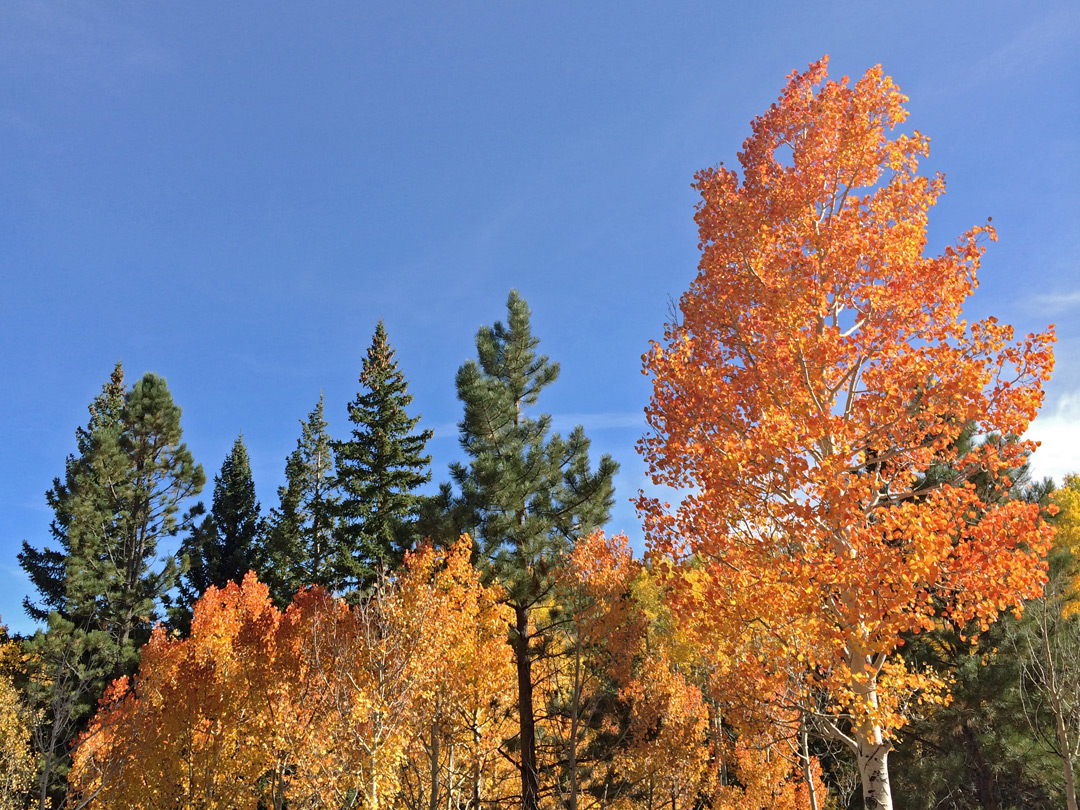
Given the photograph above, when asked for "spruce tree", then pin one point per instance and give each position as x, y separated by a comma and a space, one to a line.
529, 493
226, 545
379, 470
100, 588
300, 538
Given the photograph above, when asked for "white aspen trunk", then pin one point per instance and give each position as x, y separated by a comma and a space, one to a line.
872, 751
874, 770
808, 774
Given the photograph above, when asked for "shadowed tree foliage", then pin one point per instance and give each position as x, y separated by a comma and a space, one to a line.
101, 589
300, 540
227, 544
976, 751
80, 498
379, 470
526, 492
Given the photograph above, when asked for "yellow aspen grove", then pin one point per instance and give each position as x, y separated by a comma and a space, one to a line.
324, 705
818, 372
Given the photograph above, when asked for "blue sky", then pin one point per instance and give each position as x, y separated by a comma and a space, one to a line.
231, 195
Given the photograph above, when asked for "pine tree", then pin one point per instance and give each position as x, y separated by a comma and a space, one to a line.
379, 470
80, 491
530, 493
226, 545
120, 497
300, 538
100, 589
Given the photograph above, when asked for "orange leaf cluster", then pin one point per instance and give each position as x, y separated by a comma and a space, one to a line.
315, 706
820, 371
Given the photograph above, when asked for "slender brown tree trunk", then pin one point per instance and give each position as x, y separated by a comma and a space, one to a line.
530, 785
477, 774
572, 764
433, 799
1066, 758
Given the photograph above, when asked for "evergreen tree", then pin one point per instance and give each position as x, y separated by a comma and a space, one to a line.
379, 470
976, 752
528, 493
101, 586
300, 539
81, 491
120, 497
226, 545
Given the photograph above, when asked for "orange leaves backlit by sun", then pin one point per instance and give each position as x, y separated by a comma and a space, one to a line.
820, 369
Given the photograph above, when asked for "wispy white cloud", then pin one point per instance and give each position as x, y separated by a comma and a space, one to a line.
1058, 430
612, 420
87, 40
1055, 303
1033, 46
443, 430
15, 120
1050, 37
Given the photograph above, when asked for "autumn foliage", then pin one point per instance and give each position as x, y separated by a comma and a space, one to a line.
811, 399
317, 705
842, 442
407, 699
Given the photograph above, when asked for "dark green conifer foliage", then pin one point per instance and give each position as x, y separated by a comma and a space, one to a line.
101, 587
301, 538
120, 503
80, 491
379, 470
226, 545
528, 492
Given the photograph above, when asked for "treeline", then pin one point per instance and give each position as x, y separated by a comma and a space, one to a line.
484, 647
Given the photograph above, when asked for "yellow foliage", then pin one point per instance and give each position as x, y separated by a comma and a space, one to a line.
318, 706
17, 721
1067, 500
1067, 538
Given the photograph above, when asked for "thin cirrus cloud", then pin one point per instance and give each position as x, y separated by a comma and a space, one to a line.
1046, 39
1056, 303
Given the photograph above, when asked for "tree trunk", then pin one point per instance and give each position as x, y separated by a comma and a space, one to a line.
433, 798
572, 764
874, 770
530, 786
477, 772
1066, 759
808, 771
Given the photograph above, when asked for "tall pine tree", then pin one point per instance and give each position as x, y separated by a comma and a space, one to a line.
77, 501
101, 587
301, 546
529, 492
379, 470
227, 544
119, 499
